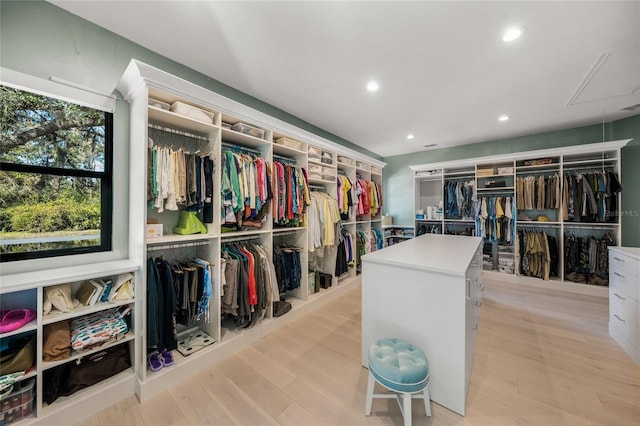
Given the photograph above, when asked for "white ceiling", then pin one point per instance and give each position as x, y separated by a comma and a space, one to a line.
445, 74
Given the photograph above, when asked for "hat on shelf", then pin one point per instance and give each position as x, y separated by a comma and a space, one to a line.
522, 216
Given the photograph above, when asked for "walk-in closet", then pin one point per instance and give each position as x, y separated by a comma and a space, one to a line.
247, 213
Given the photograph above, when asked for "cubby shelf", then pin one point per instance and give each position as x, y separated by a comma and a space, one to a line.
139, 83
430, 180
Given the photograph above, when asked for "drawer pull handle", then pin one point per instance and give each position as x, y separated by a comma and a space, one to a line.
619, 319
478, 303
618, 259
619, 297
618, 275
475, 326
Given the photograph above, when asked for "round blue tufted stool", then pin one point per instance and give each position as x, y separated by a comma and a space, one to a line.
403, 369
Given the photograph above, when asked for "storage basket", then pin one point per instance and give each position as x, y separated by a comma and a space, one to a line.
290, 143
345, 160
485, 171
328, 173
248, 130
159, 104
192, 112
19, 404
315, 153
315, 169
328, 176
362, 166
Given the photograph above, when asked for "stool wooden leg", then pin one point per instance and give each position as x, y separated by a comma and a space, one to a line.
427, 401
370, 386
406, 408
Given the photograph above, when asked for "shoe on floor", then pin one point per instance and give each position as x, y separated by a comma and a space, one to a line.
597, 280
154, 361
167, 358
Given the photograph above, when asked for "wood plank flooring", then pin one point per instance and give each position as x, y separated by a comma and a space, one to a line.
542, 358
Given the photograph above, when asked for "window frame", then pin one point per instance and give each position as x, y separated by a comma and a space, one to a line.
84, 97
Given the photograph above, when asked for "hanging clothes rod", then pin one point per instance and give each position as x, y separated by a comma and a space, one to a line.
241, 238
285, 233
604, 226
177, 132
469, 177
551, 225
284, 160
493, 193
550, 172
178, 245
589, 169
463, 173
317, 188
238, 148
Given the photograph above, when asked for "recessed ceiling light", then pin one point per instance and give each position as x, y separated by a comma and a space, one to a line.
430, 145
372, 86
503, 118
512, 34
410, 136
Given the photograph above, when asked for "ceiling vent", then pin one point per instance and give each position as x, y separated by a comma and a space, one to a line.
614, 73
632, 107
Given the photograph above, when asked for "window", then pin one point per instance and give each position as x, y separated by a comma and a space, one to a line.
55, 176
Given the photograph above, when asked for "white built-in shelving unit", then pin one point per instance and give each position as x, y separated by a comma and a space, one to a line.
430, 182
322, 159
143, 86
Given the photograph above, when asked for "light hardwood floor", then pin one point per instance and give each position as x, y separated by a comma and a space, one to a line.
542, 358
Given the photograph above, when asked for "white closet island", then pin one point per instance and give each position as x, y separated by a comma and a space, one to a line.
428, 291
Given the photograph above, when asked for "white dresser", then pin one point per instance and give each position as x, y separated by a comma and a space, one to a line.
624, 292
428, 291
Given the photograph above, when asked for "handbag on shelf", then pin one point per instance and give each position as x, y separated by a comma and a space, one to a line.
323, 279
96, 367
20, 356
70, 377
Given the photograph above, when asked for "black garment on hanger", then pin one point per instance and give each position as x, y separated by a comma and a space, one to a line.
341, 259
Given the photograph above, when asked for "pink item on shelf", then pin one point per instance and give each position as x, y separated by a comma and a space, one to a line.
16, 318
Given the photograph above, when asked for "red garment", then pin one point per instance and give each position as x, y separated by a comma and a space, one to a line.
364, 199
253, 294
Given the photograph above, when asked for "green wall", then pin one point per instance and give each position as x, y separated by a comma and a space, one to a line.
629, 128
40, 39
398, 178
